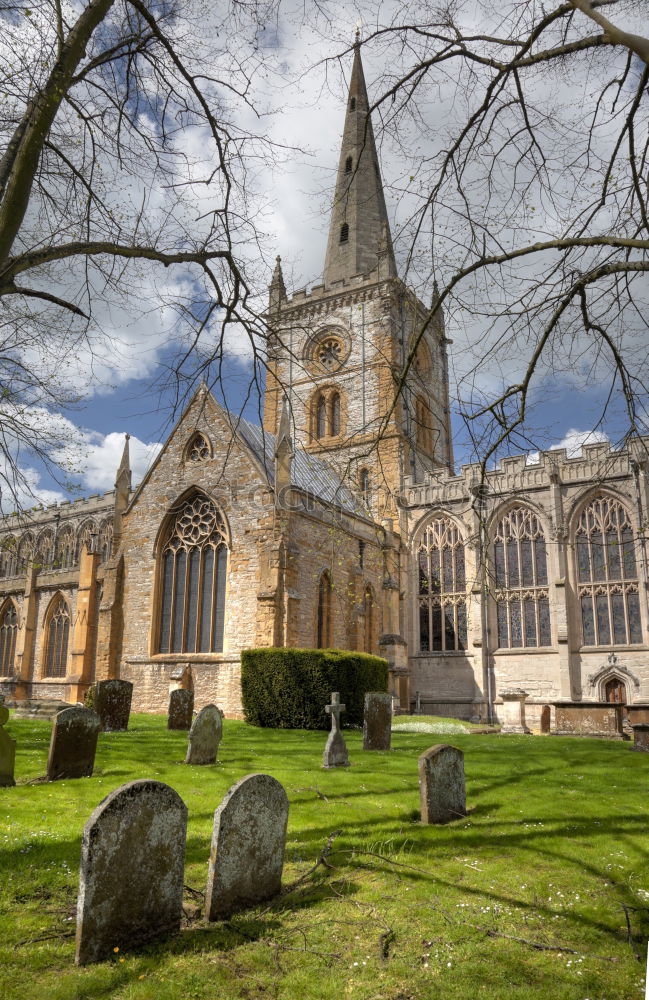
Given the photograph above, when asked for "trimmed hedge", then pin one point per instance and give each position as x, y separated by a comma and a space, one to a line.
289, 688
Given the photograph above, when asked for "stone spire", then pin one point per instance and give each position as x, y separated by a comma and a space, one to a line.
283, 453
123, 478
277, 288
359, 232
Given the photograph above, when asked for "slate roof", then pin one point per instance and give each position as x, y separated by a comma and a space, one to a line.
310, 474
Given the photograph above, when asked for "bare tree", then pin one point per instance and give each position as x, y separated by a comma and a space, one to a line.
522, 127
123, 171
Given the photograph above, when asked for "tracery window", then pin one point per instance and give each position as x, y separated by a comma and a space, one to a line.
85, 538
194, 568
44, 553
198, 449
442, 589
25, 552
7, 556
326, 414
105, 541
8, 633
325, 624
65, 549
56, 644
607, 575
520, 561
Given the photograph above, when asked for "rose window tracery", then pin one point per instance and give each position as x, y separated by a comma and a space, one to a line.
330, 352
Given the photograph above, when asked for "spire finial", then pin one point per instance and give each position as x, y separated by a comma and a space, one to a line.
357, 40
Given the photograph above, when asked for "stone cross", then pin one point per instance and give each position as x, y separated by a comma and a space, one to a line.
335, 752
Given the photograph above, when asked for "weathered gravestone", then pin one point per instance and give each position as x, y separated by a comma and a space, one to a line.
73, 743
441, 784
181, 709
205, 736
377, 721
132, 870
7, 751
112, 703
247, 853
335, 751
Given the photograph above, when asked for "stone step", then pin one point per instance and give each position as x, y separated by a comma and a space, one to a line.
38, 708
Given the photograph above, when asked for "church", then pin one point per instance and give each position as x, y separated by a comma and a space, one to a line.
340, 522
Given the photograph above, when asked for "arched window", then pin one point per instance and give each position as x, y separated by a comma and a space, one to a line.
105, 541
198, 449
7, 556
194, 561
348, 165
321, 417
44, 554
324, 612
521, 581
334, 424
85, 538
57, 634
364, 481
25, 552
65, 549
344, 233
424, 425
442, 589
8, 633
368, 610
607, 575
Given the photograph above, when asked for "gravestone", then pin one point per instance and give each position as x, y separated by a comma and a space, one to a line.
335, 751
377, 721
132, 870
641, 736
205, 736
602, 719
513, 711
441, 784
7, 751
247, 852
181, 709
73, 743
112, 703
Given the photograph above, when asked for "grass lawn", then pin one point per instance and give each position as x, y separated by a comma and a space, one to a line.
529, 896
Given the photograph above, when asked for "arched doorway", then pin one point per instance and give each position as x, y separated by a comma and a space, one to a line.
615, 692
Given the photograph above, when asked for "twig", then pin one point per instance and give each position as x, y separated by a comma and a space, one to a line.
322, 860
195, 893
543, 947
45, 937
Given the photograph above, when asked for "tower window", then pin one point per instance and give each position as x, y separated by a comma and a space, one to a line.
348, 165
364, 481
352, 104
321, 417
344, 233
334, 423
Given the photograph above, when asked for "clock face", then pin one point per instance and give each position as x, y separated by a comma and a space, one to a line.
330, 353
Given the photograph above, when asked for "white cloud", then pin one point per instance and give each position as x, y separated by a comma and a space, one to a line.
103, 454
573, 442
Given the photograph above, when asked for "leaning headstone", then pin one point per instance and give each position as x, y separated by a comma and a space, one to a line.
7, 751
112, 703
73, 743
441, 784
181, 709
247, 853
132, 870
205, 736
377, 721
335, 751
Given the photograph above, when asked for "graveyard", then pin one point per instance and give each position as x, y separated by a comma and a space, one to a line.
541, 889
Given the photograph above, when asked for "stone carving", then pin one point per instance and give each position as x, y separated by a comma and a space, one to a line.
132, 870
377, 721
513, 711
441, 784
602, 719
205, 736
247, 853
7, 751
73, 743
112, 703
335, 752
181, 709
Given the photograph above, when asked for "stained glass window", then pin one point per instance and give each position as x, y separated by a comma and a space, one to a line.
65, 548
193, 576
56, 646
25, 552
8, 556
521, 576
442, 589
607, 575
8, 633
198, 449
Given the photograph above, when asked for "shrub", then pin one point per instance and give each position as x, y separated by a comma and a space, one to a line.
289, 688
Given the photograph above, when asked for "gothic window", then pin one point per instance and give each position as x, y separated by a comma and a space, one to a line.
85, 538
344, 233
7, 556
442, 589
324, 612
368, 610
348, 165
44, 553
521, 578
364, 481
334, 423
57, 634
607, 575
8, 633
194, 563
65, 549
25, 552
321, 417
105, 541
198, 449
424, 425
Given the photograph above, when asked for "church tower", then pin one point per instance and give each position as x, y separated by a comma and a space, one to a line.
338, 351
